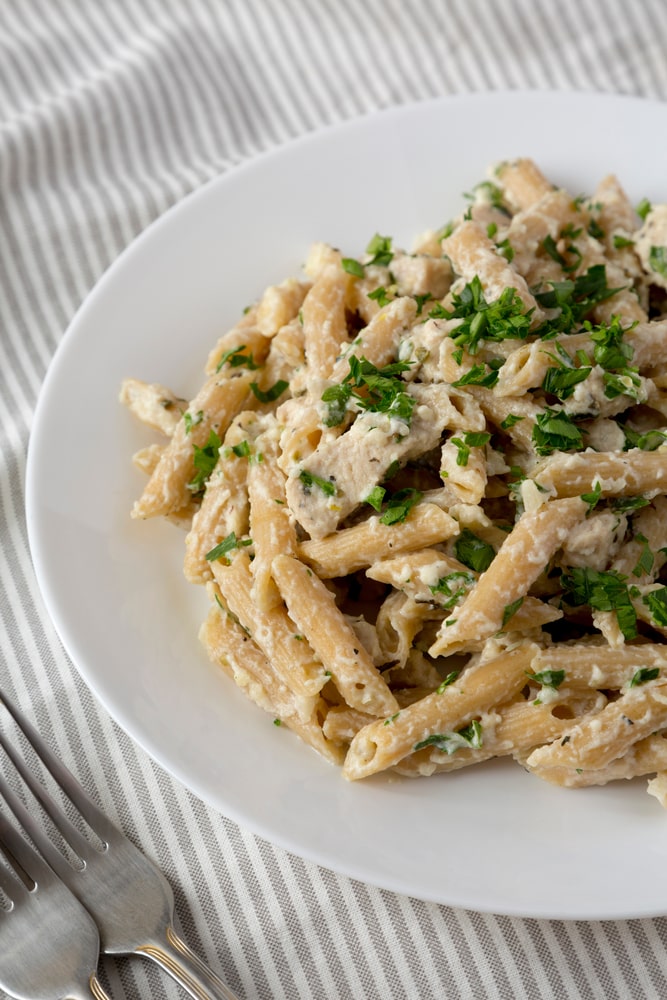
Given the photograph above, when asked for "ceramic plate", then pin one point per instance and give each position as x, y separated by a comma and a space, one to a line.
491, 838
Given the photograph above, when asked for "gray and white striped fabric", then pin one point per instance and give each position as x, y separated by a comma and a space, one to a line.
110, 112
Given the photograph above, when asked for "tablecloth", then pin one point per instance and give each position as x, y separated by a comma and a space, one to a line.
110, 112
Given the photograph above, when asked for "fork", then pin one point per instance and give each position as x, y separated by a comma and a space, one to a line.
50, 943
127, 896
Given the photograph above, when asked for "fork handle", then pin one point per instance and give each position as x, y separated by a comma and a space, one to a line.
93, 991
175, 957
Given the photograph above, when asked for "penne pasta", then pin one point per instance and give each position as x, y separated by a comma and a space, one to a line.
426, 491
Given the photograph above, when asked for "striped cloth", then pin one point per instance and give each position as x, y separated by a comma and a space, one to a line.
110, 112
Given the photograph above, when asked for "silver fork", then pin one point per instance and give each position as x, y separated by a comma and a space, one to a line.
129, 898
50, 944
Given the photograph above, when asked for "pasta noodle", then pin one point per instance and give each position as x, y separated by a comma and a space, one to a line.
426, 492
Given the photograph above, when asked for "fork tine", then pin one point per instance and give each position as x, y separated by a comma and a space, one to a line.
66, 827
37, 834
95, 818
8, 885
31, 863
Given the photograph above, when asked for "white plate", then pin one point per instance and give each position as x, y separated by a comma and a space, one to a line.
490, 838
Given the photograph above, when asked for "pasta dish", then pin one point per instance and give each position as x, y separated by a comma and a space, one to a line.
425, 491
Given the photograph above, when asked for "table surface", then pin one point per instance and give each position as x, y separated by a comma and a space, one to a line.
111, 112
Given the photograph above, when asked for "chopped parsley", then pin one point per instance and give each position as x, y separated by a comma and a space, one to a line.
473, 551
593, 498
643, 675
380, 296
336, 398
657, 259
272, 393
643, 208
453, 587
595, 230
191, 421
510, 610
226, 546
560, 379
205, 460
471, 439
241, 450
309, 479
623, 504
470, 737
421, 300
380, 250
400, 505
449, 679
648, 441
381, 254
510, 420
554, 430
375, 497
646, 558
235, 358
503, 319
622, 241
482, 374
505, 249
573, 298
491, 195
656, 602
551, 248
378, 389
548, 678
612, 353
353, 267
601, 591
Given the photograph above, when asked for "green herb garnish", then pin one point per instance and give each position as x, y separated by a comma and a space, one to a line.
380, 296
469, 737
380, 249
378, 389
573, 298
510, 610
548, 678
503, 319
353, 267
560, 380
643, 208
235, 358
309, 479
205, 460
622, 241
601, 591
453, 586
375, 497
657, 258
191, 421
593, 498
482, 374
554, 430
271, 394
474, 552
400, 505
656, 602
449, 679
646, 558
643, 675
226, 546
